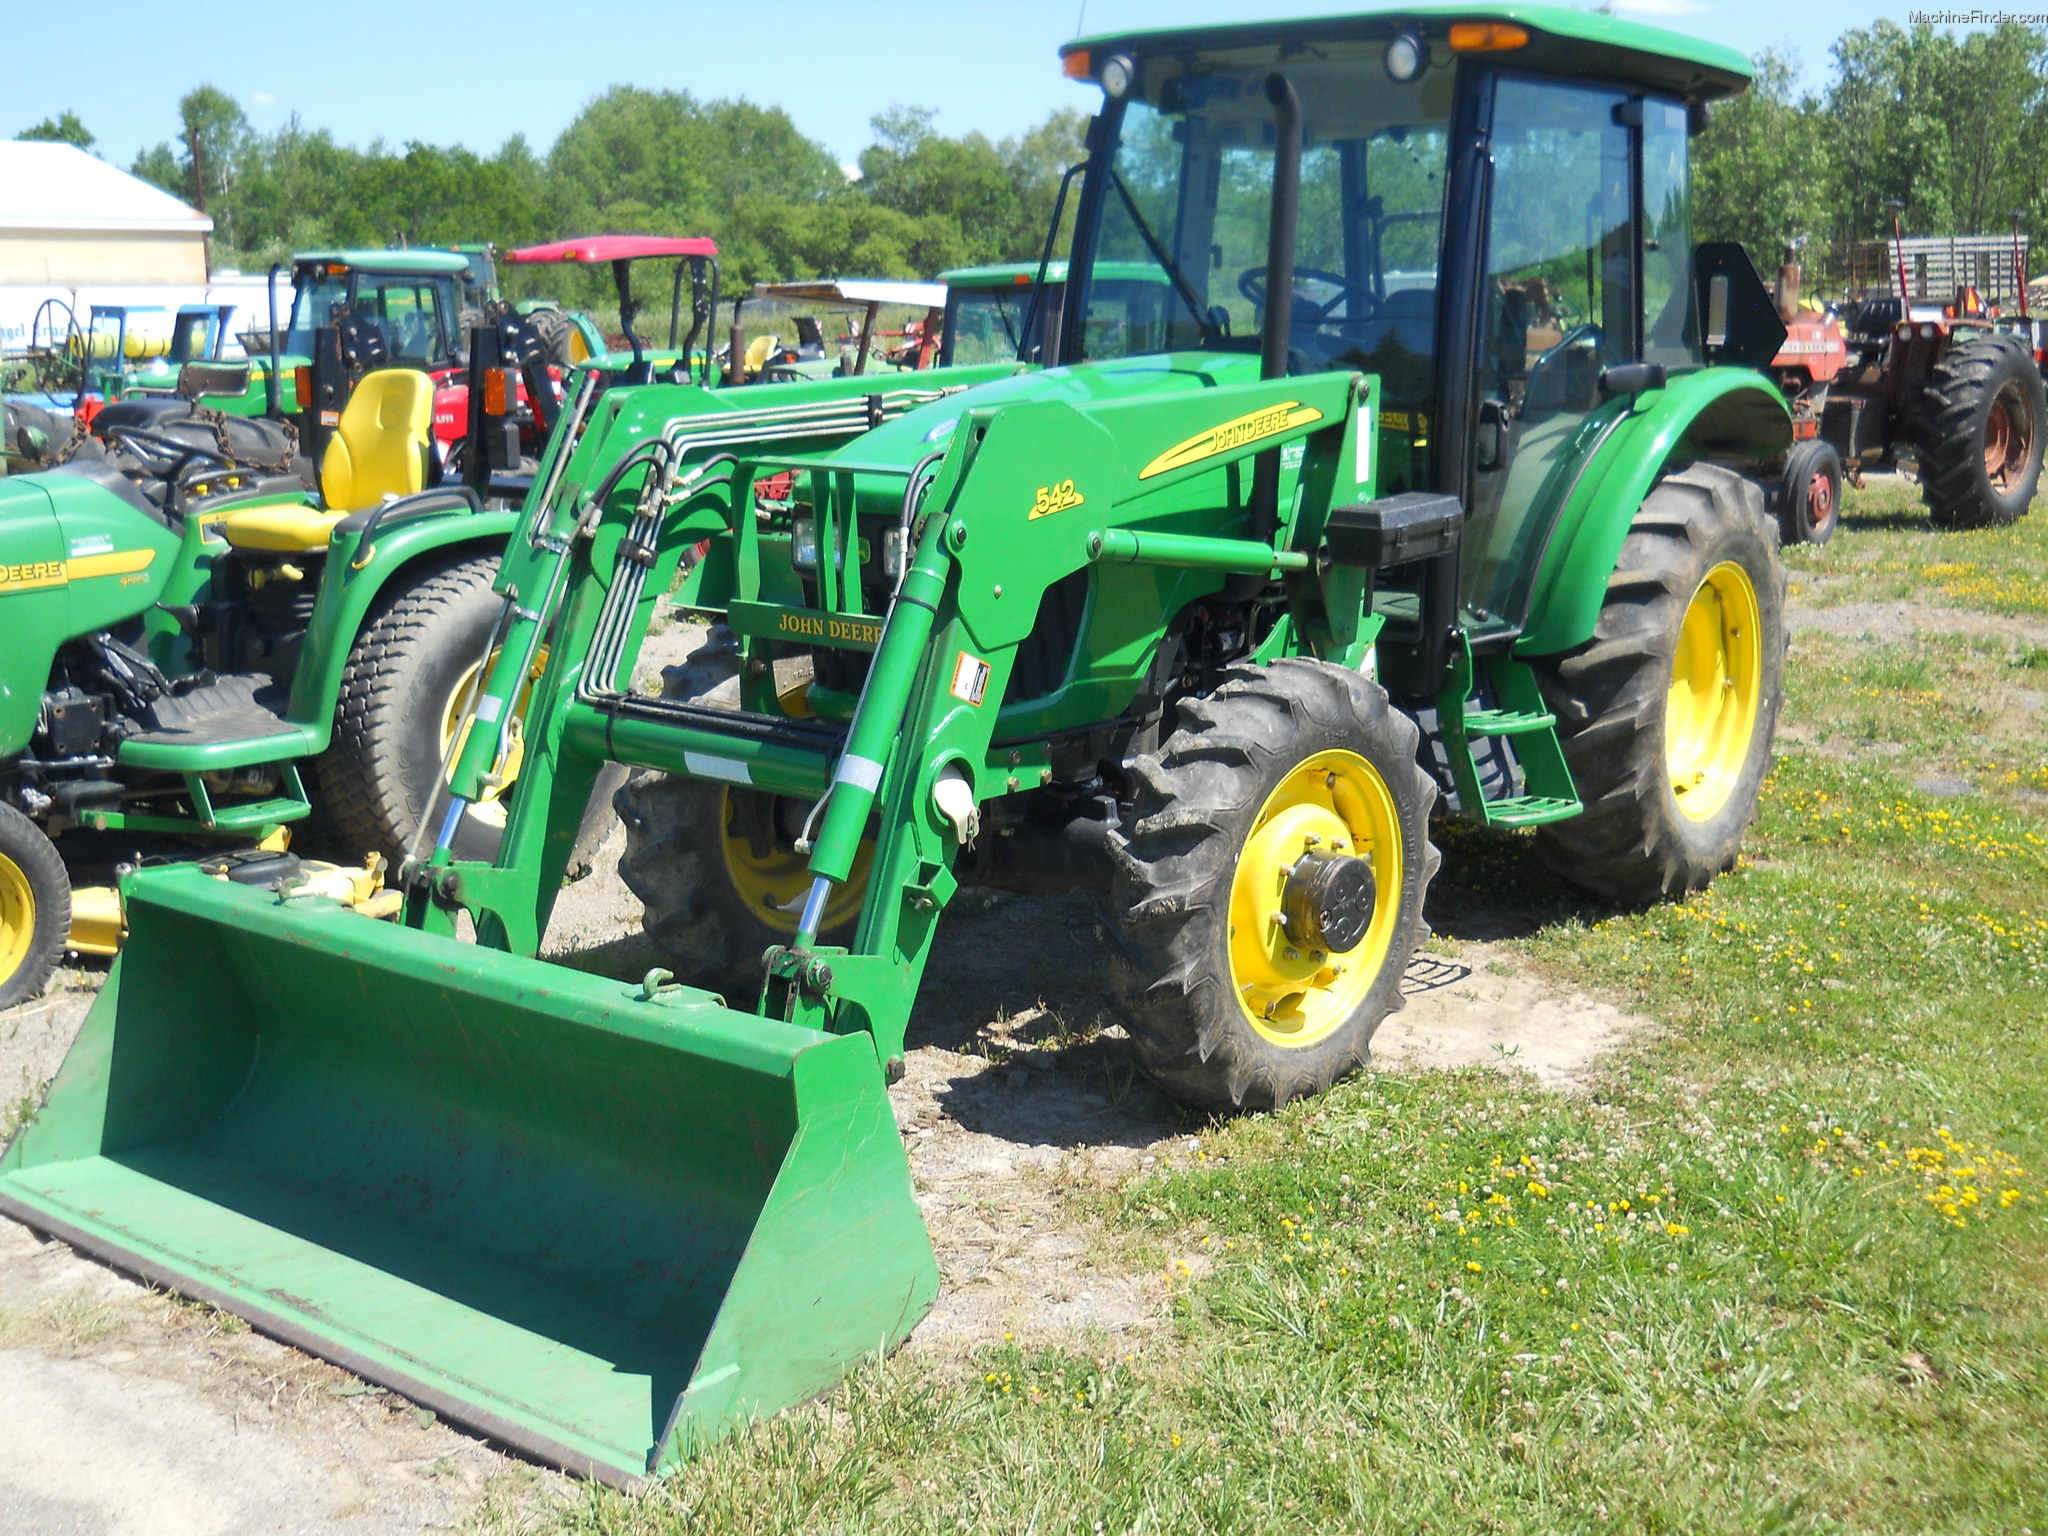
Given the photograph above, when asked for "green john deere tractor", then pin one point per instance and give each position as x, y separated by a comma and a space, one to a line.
1417, 475
182, 645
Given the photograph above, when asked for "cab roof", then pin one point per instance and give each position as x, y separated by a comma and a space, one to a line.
1022, 274
1561, 41
425, 263
616, 248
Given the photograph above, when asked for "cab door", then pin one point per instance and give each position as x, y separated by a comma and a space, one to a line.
1585, 234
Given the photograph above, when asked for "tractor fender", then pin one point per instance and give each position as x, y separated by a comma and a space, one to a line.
1716, 413
348, 594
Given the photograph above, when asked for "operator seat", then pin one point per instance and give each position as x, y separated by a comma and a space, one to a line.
382, 448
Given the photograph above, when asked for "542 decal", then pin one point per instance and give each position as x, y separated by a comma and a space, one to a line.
1057, 497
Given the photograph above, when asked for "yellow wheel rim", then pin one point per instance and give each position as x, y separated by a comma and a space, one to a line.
1335, 802
774, 885
17, 917
490, 809
1716, 687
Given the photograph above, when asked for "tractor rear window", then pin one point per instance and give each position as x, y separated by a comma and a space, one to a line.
1191, 193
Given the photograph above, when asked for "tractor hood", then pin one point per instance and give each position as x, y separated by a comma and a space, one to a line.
917, 433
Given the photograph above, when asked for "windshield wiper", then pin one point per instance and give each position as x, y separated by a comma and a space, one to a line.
1181, 285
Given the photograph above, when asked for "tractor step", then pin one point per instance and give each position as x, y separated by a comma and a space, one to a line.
1546, 781
1506, 722
1529, 811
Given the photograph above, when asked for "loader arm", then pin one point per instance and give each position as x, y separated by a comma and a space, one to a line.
1024, 496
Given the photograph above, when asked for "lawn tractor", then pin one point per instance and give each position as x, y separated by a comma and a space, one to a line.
1207, 611
189, 632
1956, 382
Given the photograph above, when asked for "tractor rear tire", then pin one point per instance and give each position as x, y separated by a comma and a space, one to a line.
689, 842
1232, 993
409, 665
1810, 493
35, 908
687, 845
553, 329
1979, 434
1666, 715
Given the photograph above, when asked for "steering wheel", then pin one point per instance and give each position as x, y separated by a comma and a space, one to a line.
165, 456
1252, 284
1585, 331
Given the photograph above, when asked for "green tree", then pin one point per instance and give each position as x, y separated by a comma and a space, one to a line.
1760, 169
64, 128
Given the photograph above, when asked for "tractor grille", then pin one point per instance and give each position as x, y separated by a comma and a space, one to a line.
1047, 653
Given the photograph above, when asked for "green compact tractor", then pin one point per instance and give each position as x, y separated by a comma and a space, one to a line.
182, 639
1414, 476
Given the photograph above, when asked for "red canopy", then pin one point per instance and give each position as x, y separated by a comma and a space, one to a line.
616, 248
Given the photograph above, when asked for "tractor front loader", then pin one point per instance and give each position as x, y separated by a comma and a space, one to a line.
1414, 481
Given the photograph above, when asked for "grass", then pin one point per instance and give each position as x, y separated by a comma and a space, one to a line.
1786, 1271
1992, 570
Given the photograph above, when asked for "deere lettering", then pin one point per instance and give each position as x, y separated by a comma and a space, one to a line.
1269, 421
37, 573
818, 627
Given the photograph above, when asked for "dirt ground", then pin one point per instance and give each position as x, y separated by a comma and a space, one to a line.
123, 1410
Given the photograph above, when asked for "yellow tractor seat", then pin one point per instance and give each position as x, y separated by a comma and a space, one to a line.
382, 446
282, 527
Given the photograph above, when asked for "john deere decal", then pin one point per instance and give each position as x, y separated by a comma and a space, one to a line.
1267, 421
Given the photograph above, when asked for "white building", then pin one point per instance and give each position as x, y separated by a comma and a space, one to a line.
78, 230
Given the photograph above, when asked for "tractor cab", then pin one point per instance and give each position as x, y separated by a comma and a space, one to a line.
994, 313
1489, 215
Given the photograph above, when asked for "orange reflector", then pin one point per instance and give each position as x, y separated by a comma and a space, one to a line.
496, 388
1021, 279
1075, 65
1486, 36
302, 387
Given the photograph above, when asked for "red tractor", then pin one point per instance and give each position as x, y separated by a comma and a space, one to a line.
1958, 383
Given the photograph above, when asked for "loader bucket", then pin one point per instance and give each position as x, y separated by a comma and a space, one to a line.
600, 1229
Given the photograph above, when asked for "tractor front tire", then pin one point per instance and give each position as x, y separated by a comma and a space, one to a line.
1268, 890
407, 672
1979, 434
1810, 493
1666, 715
35, 908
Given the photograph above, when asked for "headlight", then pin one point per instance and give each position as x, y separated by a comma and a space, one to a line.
1116, 76
892, 552
1407, 56
1927, 330
803, 543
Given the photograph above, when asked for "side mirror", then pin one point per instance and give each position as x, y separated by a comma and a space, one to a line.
1632, 378
1490, 439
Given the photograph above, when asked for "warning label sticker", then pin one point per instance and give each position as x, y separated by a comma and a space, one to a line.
970, 679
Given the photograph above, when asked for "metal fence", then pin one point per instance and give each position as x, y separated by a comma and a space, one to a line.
1936, 266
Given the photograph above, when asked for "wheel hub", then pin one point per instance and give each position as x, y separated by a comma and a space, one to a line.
17, 916
1315, 899
1328, 900
1716, 691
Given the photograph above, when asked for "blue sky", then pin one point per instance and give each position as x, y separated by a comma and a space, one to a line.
422, 70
